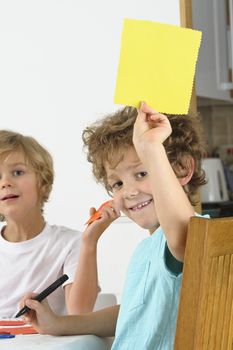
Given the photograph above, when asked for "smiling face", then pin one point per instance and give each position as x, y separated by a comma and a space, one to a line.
130, 185
18, 188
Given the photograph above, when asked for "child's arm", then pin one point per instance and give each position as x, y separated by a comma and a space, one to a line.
172, 205
82, 293
101, 323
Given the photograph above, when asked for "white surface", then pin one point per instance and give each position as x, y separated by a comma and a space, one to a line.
58, 68
48, 342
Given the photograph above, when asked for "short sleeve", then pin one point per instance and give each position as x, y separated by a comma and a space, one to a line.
173, 265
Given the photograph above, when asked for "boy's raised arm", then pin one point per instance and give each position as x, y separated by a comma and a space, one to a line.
172, 205
82, 293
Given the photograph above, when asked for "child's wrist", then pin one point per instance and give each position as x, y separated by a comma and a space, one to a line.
61, 325
89, 243
154, 150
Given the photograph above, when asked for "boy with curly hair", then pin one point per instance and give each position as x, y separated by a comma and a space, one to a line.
151, 164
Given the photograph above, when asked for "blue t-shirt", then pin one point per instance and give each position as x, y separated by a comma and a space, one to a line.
148, 312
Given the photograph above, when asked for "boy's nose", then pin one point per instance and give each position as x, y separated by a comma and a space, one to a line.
5, 185
5, 182
130, 192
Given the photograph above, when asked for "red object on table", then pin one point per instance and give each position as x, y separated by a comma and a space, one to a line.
18, 330
15, 327
11, 323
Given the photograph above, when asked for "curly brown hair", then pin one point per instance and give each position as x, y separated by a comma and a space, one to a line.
106, 140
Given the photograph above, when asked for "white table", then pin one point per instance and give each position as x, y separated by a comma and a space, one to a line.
49, 342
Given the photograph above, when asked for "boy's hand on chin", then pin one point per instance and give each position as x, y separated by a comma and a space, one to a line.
41, 317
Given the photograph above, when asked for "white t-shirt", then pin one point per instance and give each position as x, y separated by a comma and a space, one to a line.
34, 264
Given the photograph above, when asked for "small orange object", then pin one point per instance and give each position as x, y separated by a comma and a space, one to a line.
11, 323
19, 330
98, 212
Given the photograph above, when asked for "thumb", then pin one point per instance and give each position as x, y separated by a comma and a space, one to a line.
34, 305
142, 112
147, 109
26, 297
140, 125
92, 211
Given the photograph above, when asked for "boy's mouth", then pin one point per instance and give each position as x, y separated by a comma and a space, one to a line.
140, 205
9, 196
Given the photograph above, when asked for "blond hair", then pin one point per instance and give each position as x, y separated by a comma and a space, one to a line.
35, 155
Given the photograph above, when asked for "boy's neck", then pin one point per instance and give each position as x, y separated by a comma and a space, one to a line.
23, 231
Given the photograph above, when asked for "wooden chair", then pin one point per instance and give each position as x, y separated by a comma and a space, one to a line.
205, 316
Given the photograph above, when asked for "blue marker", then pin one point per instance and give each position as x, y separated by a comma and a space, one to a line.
6, 336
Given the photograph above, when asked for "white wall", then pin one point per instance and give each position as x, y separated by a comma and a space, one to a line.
58, 65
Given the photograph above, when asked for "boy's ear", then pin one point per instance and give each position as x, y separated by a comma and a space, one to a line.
188, 171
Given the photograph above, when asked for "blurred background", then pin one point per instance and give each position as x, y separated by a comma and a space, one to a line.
214, 89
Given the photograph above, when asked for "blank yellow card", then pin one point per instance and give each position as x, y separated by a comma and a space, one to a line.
157, 65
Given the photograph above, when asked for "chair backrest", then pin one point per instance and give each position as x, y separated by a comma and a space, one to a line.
205, 316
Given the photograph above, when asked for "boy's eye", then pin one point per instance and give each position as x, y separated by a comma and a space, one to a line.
17, 172
116, 185
141, 174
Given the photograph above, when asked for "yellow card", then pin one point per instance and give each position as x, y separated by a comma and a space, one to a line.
157, 65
